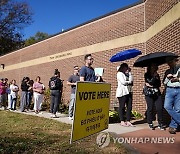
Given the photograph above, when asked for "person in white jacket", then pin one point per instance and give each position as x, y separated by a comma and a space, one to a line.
124, 93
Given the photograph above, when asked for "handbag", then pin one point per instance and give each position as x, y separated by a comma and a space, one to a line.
147, 91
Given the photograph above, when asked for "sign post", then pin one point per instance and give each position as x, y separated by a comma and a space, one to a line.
91, 114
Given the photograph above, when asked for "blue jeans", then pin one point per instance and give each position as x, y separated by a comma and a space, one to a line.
13, 103
29, 99
172, 105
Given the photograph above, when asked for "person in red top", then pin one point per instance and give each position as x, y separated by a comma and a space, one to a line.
3, 95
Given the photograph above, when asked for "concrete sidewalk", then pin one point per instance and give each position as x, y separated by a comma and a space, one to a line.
138, 133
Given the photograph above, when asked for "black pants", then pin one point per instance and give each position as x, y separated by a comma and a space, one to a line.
157, 101
55, 101
125, 100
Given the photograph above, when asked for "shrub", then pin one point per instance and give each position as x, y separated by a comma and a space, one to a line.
46, 103
136, 115
113, 116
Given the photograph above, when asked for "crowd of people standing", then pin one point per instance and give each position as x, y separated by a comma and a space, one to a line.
29, 90
124, 92
153, 95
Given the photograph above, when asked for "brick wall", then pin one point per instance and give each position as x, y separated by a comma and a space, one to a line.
167, 40
155, 9
101, 59
127, 22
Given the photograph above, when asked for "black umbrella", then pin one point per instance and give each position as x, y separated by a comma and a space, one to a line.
158, 57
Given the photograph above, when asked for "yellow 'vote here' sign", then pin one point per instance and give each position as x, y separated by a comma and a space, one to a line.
91, 114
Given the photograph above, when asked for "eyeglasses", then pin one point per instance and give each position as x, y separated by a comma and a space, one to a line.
90, 59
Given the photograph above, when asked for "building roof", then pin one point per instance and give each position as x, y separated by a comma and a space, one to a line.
85, 23
100, 17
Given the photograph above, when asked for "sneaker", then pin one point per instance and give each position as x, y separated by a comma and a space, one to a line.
129, 124
172, 130
151, 126
123, 124
54, 116
160, 126
70, 118
36, 112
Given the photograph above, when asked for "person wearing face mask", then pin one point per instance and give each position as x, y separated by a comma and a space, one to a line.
124, 93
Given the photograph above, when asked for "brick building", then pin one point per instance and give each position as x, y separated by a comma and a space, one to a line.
149, 26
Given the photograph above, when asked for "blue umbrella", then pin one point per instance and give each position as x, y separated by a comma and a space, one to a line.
124, 55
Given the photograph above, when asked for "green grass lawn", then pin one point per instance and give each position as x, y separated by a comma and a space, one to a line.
21, 133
